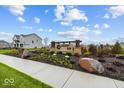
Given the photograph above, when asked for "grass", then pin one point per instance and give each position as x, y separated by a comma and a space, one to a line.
11, 78
5, 51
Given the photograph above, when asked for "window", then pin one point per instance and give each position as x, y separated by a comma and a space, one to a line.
37, 40
32, 42
14, 45
21, 45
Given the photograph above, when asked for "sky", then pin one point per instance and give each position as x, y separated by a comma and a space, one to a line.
88, 23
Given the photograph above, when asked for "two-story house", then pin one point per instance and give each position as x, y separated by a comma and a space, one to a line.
27, 41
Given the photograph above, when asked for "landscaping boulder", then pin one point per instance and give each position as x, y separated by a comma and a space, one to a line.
26, 54
91, 65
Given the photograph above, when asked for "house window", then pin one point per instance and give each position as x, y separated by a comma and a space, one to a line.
21, 45
37, 40
32, 42
14, 45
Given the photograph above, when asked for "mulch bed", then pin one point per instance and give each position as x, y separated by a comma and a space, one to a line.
113, 69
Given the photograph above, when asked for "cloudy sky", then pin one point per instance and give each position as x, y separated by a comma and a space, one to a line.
87, 23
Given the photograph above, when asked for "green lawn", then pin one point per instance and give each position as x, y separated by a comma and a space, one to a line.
5, 51
11, 78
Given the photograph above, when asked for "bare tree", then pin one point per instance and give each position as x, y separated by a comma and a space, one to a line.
46, 41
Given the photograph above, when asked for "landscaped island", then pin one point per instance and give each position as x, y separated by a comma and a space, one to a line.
11, 78
111, 57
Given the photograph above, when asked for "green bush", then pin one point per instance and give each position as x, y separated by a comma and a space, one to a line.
86, 54
69, 54
70, 66
52, 52
59, 52
55, 59
15, 52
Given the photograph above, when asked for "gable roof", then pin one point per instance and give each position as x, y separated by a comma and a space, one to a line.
3, 41
18, 36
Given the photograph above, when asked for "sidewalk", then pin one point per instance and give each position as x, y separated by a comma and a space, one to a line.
58, 76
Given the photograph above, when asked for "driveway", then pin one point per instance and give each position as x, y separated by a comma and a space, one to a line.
60, 77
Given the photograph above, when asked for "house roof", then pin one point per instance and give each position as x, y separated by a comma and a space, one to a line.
3, 41
18, 36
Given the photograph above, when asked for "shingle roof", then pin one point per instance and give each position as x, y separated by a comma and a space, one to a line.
3, 41
18, 36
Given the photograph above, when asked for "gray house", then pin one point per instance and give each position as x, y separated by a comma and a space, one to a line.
4, 44
27, 41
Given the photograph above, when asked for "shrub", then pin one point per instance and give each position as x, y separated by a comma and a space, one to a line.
65, 64
15, 52
52, 52
76, 54
70, 65
87, 54
59, 52
69, 54
37, 57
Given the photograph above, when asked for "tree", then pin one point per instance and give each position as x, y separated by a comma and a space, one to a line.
104, 50
45, 41
117, 49
93, 49
100, 50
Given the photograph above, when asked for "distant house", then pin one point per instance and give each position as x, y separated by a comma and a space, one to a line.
27, 41
4, 44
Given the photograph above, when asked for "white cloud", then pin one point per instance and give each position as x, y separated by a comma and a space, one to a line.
59, 11
46, 11
17, 10
50, 30
106, 16
116, 11
65, 23
97, 32
98, 29
41, 29
106, 26
67, 15
96, 26
37, 20
6, 36
75, 33
27, 27
21, 19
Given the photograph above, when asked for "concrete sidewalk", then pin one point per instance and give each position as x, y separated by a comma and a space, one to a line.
58, 76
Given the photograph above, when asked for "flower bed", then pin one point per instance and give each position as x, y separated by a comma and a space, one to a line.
59, 60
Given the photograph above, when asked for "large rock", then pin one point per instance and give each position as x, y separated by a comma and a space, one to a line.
91, 65
26, 54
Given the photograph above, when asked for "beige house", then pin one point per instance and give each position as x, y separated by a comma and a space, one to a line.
72, 47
